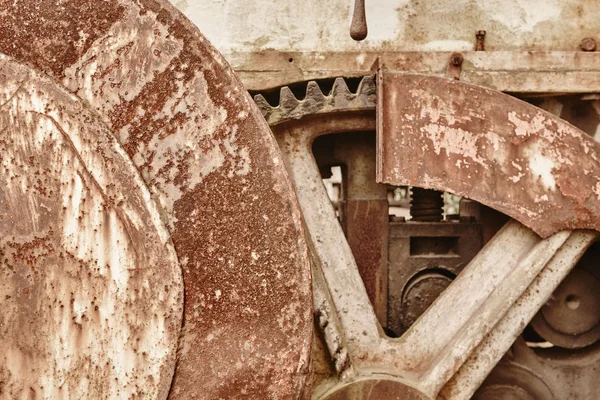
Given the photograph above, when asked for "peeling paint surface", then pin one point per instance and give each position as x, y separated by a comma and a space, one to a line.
489, 147
92, 293
207, 156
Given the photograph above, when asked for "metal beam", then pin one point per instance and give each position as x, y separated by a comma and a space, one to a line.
527, 72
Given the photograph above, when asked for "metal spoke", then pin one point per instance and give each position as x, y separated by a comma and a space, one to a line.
439, 342
331, 253
485, 357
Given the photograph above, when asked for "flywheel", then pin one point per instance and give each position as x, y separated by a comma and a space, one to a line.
91, 289
101, 268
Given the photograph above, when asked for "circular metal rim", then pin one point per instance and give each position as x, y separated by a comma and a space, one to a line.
543, 328
534, 386
259, 215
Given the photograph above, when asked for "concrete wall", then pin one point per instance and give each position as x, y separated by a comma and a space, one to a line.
322, 25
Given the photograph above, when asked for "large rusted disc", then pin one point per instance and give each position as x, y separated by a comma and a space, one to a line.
212, 163
92, 294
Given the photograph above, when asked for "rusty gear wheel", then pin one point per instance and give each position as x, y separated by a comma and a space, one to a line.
89, 274
455, 344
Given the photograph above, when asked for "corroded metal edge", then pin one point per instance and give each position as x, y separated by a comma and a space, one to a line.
489, 147
532, 72
315, 102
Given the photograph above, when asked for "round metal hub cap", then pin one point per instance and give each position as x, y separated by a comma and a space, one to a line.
375, 389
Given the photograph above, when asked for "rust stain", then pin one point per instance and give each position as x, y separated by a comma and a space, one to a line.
489, 147
84, 254
47, 36
212, 165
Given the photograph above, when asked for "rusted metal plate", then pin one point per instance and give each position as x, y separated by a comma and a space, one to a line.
92, 294
366, 214
366, 228
212, 163
425, 254
490, 147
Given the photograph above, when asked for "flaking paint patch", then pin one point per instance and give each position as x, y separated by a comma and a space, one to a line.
431, 111
521, 127
103, 73
597, 190
516, 178
453, 141
533, 126
542, 167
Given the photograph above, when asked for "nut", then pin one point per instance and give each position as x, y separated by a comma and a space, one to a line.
480, 41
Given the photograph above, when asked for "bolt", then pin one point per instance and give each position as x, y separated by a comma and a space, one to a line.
456, 59
588, 44
572, 302
480, 44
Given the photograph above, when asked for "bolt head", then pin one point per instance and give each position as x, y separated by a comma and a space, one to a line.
456, 59
588, 44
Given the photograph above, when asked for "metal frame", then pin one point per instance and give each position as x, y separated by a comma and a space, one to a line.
527, 72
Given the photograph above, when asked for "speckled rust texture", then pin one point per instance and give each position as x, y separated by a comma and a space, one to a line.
92, 293
214, 168
489, 147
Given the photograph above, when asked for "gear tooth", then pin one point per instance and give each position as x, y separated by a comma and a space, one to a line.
316, 101
313, 90
287, 99
340, 87
263, 104
367, 85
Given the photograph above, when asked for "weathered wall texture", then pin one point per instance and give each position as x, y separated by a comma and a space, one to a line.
316, 25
